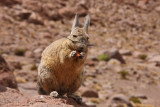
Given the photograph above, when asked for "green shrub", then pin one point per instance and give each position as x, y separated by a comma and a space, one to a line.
124, 74
143, 56
103, 57
135, 100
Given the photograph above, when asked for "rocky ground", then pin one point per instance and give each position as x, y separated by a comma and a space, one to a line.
123, 66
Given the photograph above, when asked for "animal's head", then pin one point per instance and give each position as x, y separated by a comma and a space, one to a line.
79, 36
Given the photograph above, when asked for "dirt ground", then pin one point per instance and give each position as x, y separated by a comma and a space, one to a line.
131, 27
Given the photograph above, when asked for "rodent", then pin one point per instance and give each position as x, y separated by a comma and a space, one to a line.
61, 69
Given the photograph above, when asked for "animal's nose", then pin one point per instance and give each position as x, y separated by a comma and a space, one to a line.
81, 48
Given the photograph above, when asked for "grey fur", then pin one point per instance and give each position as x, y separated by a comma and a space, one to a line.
75, 22
86, 23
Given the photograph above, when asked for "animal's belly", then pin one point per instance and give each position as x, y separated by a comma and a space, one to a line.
66, 78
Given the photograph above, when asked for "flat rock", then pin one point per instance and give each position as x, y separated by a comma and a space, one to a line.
90, 93
13, 98
125, 52
157, 8
8, 95
155, 59
157, 31
66, 12
118, 98
36, 19
115, 54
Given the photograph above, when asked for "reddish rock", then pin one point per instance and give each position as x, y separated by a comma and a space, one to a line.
13, 98
157, 32
66, 12
36, 19
81, 8
6, 75
10, 2
90, 93
156, 60
50, 11
8, 95
118, 98
23, 14
90, 62
157, 8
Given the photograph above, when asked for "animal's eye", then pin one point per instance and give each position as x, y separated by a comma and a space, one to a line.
75, 36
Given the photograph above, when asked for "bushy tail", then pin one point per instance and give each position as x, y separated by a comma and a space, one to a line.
40, 89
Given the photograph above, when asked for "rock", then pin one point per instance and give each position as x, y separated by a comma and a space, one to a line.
38, 50
9, 95
47, 101
6, 75
102, 65
114, 62
119, 98
23, 14
36, 19
90, 93
125, 52
90, 63
69, 12
13, 98
16, 65
157, 9
28, 88
66, 12
142, 4
114, 53
137, 54
53, 15
10, 2
156, 32
93, 58
45, 35
82, 8
140, 96
29, 54
158, 64
95, 100
91, 104
155, 59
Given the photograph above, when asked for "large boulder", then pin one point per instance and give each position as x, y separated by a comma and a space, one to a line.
13, 98
8, 95
6, 75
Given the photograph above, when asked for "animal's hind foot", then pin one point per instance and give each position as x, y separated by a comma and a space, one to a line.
77, 98
54, 94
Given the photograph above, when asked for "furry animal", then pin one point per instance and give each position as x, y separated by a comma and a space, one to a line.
62, 63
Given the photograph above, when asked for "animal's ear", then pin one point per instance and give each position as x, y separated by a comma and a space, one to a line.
86, 23
75, 22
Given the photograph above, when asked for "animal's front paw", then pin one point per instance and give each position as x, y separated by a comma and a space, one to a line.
82, 54
72, 54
